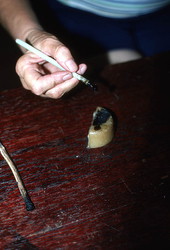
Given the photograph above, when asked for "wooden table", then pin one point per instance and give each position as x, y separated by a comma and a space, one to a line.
114, 197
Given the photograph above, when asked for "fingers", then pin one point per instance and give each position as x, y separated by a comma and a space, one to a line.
62, 55
60, 89
45, 78
82, 69
50, 45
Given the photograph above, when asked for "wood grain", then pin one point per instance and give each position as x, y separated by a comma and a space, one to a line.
115, 197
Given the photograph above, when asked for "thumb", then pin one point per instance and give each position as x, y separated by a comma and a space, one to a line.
64, 57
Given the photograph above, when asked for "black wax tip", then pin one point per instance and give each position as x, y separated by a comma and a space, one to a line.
101, 117
93, 85
29, 204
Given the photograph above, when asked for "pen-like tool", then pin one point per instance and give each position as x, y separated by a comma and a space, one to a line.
52, 61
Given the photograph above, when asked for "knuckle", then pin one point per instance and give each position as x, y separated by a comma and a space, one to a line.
62, 49
48, 41
36, 89
57, 94
18, 65
22, 64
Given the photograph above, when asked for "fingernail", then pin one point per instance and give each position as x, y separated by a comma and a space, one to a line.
71, 65
67, 77
82, 70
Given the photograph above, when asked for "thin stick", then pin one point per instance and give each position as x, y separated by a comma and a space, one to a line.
22, 189
52, 61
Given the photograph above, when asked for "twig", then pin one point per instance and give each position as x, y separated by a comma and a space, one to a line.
29, 204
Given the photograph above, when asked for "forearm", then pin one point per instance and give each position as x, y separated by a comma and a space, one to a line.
18, 18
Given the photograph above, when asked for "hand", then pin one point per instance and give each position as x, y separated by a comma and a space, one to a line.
41, 77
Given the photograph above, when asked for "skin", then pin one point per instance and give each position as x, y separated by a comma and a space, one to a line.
35, 74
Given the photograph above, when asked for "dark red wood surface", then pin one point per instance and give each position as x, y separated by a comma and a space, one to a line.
114, 197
